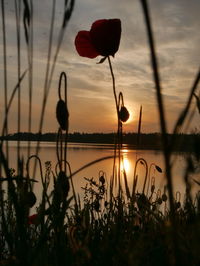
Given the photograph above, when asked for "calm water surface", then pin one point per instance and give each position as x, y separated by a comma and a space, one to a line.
81, 154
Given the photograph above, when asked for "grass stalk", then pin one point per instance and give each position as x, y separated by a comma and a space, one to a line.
5, 72
45, 94
89, 164
18, 19
30, 76
185, 111
166, 150
160, 103
10, 103
137, 147
68, 9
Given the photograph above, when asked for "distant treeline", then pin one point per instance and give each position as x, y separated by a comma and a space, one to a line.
183, 142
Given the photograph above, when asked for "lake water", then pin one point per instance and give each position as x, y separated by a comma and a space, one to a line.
79, 154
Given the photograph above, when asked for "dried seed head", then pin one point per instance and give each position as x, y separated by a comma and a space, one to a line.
143, 202
62, 184
152, 188
164, 197
153, 208
102, 179
123, 114
96, 205
62, 114
158, 169
106, 204
177, 204
159, 201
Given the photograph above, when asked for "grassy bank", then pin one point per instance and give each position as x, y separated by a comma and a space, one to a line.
108, 228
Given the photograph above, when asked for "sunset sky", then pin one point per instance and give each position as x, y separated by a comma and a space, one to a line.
176, 25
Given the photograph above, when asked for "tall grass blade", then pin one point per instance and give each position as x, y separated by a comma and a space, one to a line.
68, 9
184, 113
5, 73
10, 102
90, 163
18, 19
160, 105
139, 130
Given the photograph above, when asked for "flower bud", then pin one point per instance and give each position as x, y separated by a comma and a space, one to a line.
123, 114
31, 199
62, 114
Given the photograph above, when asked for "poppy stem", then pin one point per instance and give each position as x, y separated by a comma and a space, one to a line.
114, 89
118, 144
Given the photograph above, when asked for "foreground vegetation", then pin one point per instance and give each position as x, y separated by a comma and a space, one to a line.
105, 228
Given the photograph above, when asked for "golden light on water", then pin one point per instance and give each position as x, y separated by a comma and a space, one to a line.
124, 150
125, 165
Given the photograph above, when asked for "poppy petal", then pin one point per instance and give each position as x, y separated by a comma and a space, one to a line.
105, 36
84, 45
32, 219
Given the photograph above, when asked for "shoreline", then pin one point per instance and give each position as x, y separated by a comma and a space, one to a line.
109, 145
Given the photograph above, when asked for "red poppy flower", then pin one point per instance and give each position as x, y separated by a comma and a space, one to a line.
33, 219
102, 39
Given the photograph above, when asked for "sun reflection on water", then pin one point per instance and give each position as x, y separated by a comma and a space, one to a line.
125, 164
